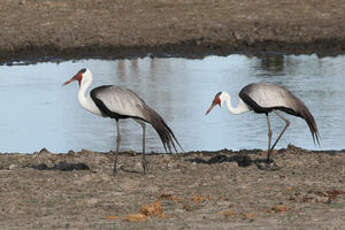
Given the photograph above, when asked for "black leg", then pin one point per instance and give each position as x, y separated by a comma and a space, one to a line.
118, 140
143, 160
270, 165
287, 123
269, 138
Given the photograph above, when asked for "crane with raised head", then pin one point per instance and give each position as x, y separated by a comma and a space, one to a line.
265, 98
121, 103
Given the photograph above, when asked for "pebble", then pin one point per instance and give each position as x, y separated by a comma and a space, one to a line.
12, 166
92, 201
138, 166
172, 165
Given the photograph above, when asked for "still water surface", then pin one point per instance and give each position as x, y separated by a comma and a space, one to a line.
38, 112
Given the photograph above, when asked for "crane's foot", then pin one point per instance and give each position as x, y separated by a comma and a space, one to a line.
269, 161
114, 172
144, 166
268, 165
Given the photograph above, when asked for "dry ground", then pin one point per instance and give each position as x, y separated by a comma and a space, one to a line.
197, 190
194, 28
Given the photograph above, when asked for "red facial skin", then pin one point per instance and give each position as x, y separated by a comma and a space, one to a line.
215, 102
78, 77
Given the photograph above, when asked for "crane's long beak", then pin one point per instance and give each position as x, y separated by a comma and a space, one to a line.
69, 81
210, 108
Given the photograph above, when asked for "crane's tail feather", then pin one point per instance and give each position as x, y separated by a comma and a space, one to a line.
166, 135
308, 117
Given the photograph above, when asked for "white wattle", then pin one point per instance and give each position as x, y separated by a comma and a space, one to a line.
84, 98
241, 106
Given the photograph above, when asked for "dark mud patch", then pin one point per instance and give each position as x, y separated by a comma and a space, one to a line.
186, 49
242, 161
63, 166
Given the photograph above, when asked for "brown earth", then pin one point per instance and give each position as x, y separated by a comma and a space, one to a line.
33, 29
197, 190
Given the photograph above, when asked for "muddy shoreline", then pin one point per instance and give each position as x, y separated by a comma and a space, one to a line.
197, 190
34, 30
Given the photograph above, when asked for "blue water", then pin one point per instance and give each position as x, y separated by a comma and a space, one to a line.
37, 112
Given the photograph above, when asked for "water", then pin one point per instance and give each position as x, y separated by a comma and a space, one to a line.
38, 112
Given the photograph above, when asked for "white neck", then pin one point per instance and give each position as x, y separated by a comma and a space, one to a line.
241, 106
84, 98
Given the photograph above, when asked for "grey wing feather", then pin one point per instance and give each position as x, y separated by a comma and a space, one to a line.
120, 100
126, 103
271, 96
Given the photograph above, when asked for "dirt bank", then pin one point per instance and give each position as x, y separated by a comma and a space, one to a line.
199, 190
122, 28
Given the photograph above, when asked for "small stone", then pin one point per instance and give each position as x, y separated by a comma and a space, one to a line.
92, 201
172, 165
138, 166
179, 210
12, 166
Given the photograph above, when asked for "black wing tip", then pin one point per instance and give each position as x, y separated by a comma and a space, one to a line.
317, 138
173, 139
308, 117
167, 136
168, 139
171, 143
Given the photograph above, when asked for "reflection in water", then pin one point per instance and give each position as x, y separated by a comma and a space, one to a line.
37, 112
272, 63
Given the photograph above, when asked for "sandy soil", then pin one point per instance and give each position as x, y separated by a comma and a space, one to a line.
193, 28
197, 190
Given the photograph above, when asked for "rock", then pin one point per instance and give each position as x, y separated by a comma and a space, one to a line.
92, 201
12, 166
172, 165
139, 166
